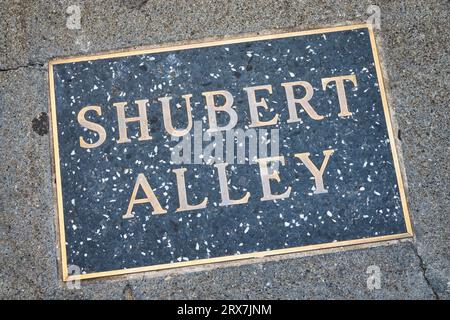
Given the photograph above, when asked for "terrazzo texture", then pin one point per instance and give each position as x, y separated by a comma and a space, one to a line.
413, 40
362, 199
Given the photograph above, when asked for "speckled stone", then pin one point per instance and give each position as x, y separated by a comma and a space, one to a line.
362, 199
413, 41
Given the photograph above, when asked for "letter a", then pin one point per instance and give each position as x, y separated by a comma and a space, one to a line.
150, 197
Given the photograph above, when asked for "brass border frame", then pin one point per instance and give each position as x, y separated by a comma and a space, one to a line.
200, 44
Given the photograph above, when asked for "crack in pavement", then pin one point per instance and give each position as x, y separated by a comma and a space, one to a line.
35, 65
423, 268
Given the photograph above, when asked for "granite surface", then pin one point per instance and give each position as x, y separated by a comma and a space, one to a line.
413, 41
360, 197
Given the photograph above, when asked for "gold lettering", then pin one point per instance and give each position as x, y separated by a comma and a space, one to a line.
141, 181
304, 102
91, 126
341, 91
165, 101
226, 107
266, 177
254, 105
223, 182
181, 184
318, 174
122, 121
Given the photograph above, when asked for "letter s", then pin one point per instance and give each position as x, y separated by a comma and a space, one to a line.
91, 126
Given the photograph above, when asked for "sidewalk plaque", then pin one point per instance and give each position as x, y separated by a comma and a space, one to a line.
224, 150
